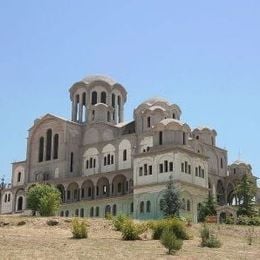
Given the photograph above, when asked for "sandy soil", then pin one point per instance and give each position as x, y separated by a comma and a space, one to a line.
37, 240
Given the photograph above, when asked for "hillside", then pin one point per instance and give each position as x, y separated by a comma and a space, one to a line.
36, 240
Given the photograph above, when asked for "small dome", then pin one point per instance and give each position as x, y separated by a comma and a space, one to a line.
93, 78
154, 100
173, 124
239, 162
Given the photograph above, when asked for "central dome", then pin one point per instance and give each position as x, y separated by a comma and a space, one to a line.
155, 100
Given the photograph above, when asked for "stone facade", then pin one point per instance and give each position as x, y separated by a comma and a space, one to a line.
103, 165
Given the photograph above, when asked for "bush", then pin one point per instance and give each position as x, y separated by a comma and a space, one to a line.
251, 221
169, 240
131, 230
208, 239
43, 198
79, 229
119, 221
176, 226
108, 216
230, 221
254, 221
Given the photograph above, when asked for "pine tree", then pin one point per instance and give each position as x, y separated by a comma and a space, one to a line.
171, 202
245, 192
208, 208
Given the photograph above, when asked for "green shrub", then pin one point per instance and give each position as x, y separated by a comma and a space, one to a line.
175, 225
169, 240
243, 220
131, 230
208, 239
254, 221
230, 221
119, 221
79, 229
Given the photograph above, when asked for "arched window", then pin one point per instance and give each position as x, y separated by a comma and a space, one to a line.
125, 155
77, 212
188, 205
108, 116
183, 206
160, 138
97, 211
48, 144
41, 147
148, 122
103, 97
184, 138
114, 210
67, 213
173, 115
142, 207
56, 146
94, 98
91, 212
119, 187
221, 163
71, 161
9, 197
81, 212
148, 206
113, 100
20, 203
89, 192
5, 197
19, 176
62, 213
132, 207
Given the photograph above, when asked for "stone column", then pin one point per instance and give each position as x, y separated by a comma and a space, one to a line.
121, 114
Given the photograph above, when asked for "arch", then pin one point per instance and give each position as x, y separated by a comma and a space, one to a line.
94, 98
61, 188
114, 210
141, 207
41, 149
91, 212
148, 206
88, 188
82, 213
119, 185
97, 212
73, 192
103, 97
125, 154
56, 146
107, 210
220, 193
48, 144
102, 188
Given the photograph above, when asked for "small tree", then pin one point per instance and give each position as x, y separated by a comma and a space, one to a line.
44, 199
208, 208
171, 201
169, 240
245, 192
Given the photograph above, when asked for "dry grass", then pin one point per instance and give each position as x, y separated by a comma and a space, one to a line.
37, 240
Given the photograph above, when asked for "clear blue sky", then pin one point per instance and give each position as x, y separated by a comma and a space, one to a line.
202, 55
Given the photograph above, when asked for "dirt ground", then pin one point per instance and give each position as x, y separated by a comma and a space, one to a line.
36, 240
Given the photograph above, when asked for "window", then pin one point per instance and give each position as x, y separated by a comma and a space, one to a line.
171, 166
94, 98
9, 197
108, 116
186, 167
132, 207
119, 187
68, 195
94, 163
114, 210
173, 116
197, 137
148, 206
189, 169
184, 138
188, 205
140, 171
112, 159
142, 207
161, 168
19, 177
97, 211
148, 122
48, 144
196, 171
221, 163
150, 169
89, 192
87, 164
67, 213
71, 162
145, 169
125, 155
182, 167
105, 161
82, 213
5, 197
62, 213
41, 147
160, 138
56, 146
103, 97
91, 212
82, 193
165, 166
77, 212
